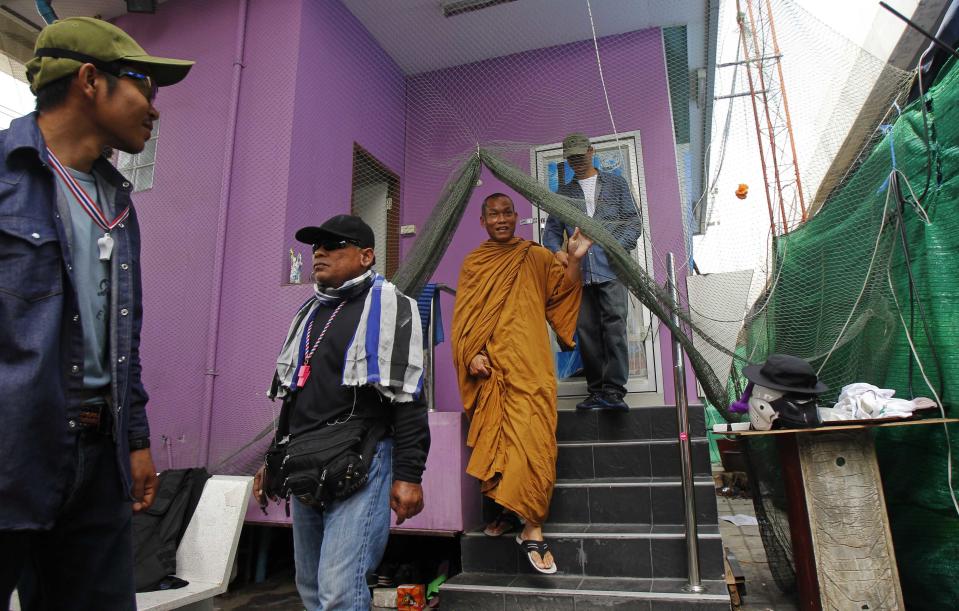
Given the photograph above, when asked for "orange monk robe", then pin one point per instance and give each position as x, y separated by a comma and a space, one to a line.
507, 292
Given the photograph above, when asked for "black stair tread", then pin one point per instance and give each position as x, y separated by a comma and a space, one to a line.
634, 408
597, 482
626, 530
620, 587
638, 423
646, 441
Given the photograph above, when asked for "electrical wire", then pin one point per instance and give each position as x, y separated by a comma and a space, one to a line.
925, 126
865, 282
936, 396
913, 287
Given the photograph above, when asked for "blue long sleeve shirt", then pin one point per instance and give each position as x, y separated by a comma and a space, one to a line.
615, 209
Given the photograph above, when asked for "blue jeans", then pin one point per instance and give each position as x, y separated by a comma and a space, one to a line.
335, 548
85, 561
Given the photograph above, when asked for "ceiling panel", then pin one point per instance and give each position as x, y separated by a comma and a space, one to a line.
419, 38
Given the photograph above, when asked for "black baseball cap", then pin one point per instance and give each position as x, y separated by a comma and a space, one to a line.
342, 227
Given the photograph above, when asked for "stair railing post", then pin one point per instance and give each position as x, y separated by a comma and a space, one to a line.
682, 420
429, 379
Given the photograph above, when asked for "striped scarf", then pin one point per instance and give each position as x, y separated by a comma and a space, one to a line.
386, 351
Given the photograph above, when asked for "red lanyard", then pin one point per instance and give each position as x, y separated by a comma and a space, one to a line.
304, 372
88, 205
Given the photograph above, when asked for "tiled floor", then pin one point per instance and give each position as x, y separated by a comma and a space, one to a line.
746, 545
278, 593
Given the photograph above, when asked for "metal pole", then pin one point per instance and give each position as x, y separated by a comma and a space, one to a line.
682, 420
429, 382
759, 132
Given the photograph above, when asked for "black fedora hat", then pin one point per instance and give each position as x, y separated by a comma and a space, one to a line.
785, 372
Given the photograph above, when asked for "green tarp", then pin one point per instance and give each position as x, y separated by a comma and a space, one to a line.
844, 260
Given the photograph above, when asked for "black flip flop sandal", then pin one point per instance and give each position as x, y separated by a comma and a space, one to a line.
541, 547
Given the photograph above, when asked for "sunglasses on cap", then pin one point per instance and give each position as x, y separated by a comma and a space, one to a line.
334, 244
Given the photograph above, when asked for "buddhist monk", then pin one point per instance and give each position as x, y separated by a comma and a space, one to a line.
509, 288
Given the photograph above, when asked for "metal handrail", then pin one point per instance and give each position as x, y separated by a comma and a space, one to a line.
682, 419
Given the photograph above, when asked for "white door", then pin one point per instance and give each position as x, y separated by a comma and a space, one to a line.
371, 203
622, 157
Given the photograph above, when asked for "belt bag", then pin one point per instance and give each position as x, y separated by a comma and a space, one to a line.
324, 465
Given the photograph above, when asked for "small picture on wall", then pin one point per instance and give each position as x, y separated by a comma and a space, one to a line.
296, 267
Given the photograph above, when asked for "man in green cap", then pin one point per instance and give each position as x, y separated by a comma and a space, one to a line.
75, 457
601, 329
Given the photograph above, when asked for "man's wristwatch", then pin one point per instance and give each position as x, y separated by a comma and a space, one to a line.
139, 444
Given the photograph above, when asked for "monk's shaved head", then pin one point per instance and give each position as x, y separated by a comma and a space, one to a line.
499, 217
495, 197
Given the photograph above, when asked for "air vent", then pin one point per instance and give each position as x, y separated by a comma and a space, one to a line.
452, 8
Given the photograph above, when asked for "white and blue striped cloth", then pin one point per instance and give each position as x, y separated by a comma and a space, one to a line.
386, 351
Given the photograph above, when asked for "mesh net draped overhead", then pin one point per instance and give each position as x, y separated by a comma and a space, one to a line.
806, 259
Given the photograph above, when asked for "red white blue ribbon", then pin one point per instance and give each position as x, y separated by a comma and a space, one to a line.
83, 197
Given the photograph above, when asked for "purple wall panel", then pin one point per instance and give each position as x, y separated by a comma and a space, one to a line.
256, 310
313, 83
306, 66
178, 216
347, 90
492, 101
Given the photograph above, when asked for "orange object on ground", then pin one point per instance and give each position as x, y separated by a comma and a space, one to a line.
411, 597
742, 191
506, 293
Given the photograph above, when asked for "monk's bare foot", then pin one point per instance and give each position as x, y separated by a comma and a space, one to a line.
504, 523
535, 533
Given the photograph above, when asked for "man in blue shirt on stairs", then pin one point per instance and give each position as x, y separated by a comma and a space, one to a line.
601, 330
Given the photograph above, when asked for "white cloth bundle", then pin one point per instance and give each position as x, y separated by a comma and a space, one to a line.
861, 401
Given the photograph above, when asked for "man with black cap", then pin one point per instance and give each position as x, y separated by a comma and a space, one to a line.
601, 329
353, 357
74, 442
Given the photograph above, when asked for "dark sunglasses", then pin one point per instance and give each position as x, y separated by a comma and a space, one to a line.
330, 245
144, 83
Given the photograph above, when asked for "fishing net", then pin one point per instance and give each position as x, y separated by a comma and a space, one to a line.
410, 113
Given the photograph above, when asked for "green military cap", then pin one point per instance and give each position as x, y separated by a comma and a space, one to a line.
575, 144
66, 44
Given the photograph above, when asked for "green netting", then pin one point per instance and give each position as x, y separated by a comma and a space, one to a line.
428, 251
430, 248
854, 242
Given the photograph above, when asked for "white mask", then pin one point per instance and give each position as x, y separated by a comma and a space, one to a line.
761, 413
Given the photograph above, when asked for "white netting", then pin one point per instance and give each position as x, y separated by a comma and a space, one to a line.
410, 116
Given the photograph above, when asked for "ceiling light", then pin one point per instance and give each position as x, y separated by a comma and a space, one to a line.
458, 7
141, 6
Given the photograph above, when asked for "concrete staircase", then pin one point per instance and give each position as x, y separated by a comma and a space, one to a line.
616, 525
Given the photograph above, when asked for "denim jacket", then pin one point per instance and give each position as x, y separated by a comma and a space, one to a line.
41, 338
615, 209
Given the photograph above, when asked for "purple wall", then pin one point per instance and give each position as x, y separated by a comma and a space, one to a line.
178, 217
348, 90
313, 83
305, 66
539, 97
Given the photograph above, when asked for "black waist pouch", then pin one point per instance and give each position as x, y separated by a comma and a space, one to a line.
323, 465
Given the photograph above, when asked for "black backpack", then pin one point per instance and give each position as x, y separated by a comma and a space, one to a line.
157, 531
